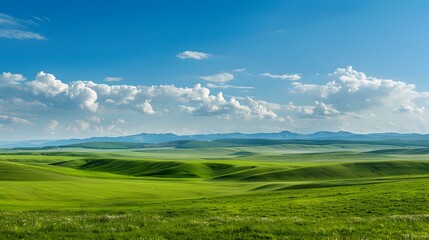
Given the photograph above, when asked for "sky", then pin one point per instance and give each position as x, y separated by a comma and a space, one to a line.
76, 69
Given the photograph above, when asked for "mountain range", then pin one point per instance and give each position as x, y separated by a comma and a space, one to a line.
170, 137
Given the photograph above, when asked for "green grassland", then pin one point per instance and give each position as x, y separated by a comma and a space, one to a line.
224, 189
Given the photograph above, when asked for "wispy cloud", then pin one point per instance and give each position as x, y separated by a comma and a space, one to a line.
113, 79
193, 55
14, 28
5, 119
219, 78
292, 77
209, 85
18, 34
239, 70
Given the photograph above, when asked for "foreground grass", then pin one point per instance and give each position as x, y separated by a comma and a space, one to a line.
389, 210
138, 225
215, 193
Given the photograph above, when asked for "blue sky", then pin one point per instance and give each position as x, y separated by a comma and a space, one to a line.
82, 68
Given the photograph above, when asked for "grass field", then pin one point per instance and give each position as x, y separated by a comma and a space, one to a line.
217, 190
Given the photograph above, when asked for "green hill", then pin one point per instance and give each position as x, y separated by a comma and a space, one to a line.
406, 151
343, 171
22, 172
237, 171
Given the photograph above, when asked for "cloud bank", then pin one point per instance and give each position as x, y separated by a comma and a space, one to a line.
348, 100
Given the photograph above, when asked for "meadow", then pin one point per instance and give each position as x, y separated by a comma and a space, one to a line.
224, 189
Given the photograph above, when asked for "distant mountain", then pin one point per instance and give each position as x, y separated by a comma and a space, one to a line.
150, 138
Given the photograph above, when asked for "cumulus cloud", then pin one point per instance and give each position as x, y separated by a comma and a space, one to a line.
90, 96
12, 104
117, 94
83, 124
218, 105
47, 88
14, 28
95, 119
291, 77
322, 109
113, 79
79, 126
10, 77
348, 99
409, 108
193, 55
263, 109
46, 84
85, 96
219, 78
350, 90
300, 110
111, 129
146, 107
52, 125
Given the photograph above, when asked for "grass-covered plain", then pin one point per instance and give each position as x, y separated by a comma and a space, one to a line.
218, 190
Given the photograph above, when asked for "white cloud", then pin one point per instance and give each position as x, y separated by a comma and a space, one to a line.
319, 90
350, 91
263, 109
8, 21
239, 70
15, 28
409, 108
247, 108
111, 129
83, 125
10, 77
95, 119
56, 93
52, 125
322, 109
117, 94
120, 121
5, 119
300, 110
46, 84
113, 79
318, 110
225, 86
218, 105
349, 100
219, 78
291, 77
193, 55
146, 107
19, 34
12, 104
85, 96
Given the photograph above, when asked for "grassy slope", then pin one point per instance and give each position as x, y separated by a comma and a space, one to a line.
223, 192
20, 172
391, 210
